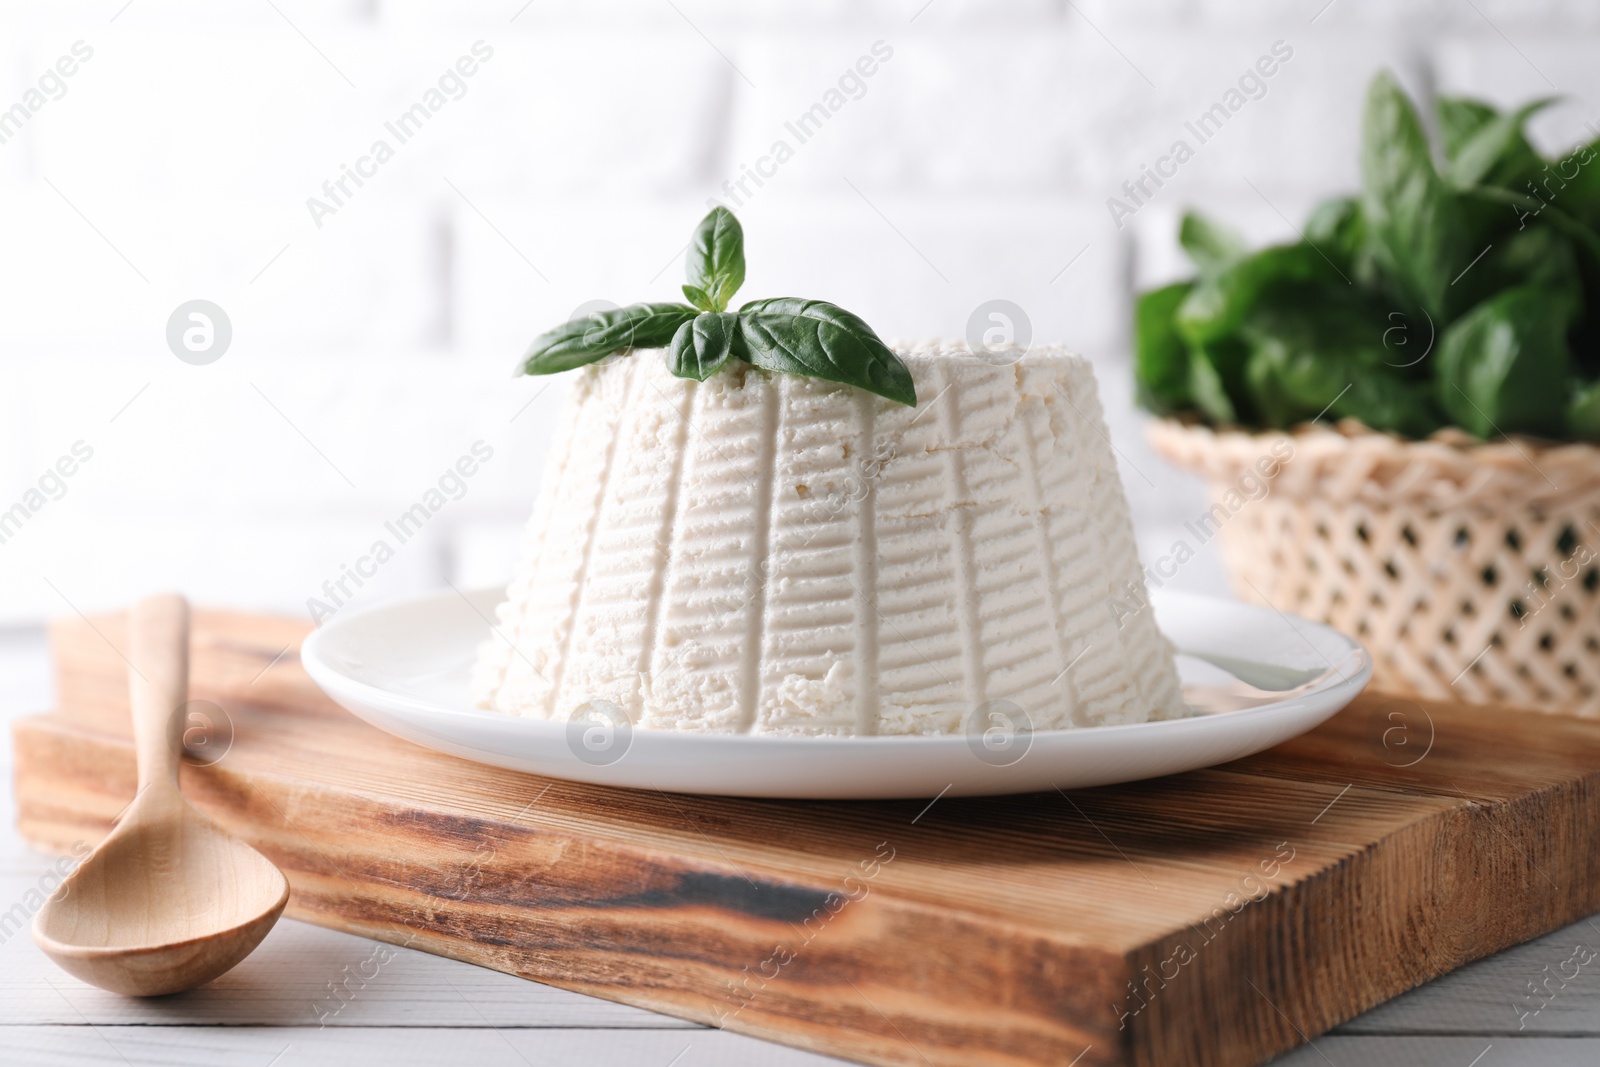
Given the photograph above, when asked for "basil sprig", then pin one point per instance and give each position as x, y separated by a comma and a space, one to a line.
807, 337
1459, 289
716, 261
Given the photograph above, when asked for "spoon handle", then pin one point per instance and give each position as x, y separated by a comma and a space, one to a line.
158, 685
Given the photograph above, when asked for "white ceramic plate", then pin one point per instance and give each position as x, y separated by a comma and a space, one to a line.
1253, 676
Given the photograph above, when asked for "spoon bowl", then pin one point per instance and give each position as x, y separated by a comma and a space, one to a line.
169, 900
164, 904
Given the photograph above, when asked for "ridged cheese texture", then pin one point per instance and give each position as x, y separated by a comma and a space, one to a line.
775, 554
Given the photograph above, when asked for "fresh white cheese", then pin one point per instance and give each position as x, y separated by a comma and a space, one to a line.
775, 554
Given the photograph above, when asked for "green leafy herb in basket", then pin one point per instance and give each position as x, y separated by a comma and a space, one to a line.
1460, 291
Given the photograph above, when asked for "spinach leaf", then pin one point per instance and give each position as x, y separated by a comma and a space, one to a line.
715, 260
702, 345
1504, 366
817, 339
593, 337
1161, 359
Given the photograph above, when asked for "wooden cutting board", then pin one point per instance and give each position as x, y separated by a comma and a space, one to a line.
1214, 918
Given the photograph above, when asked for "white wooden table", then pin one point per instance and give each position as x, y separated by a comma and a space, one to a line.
279, 1009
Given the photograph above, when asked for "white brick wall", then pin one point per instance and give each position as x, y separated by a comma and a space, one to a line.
370, 353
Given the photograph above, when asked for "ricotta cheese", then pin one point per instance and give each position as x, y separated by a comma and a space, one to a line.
775, 554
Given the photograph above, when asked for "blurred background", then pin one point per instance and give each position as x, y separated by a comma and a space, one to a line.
908, 159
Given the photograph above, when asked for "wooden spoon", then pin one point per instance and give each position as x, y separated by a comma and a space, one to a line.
168, 901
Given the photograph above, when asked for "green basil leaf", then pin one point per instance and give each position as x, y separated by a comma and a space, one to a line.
730, 286
1575, 178
1207, 388
716, 258
1161, 358
1294, 386
699, 298
1316, 350
1538, 255
1416, 223
1504, 366
702, 345
582, 341
1337, 229
1209, 244
1218, 306
1458, 249
1497, 152
1583, 236
1583, 413
820, 340
1383, 401
1460, 118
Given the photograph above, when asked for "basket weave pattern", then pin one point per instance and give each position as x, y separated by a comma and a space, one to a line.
1467, 569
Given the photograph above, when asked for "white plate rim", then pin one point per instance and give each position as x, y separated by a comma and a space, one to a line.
390, 711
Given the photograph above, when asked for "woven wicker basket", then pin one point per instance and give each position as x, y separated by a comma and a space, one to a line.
1468, 569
